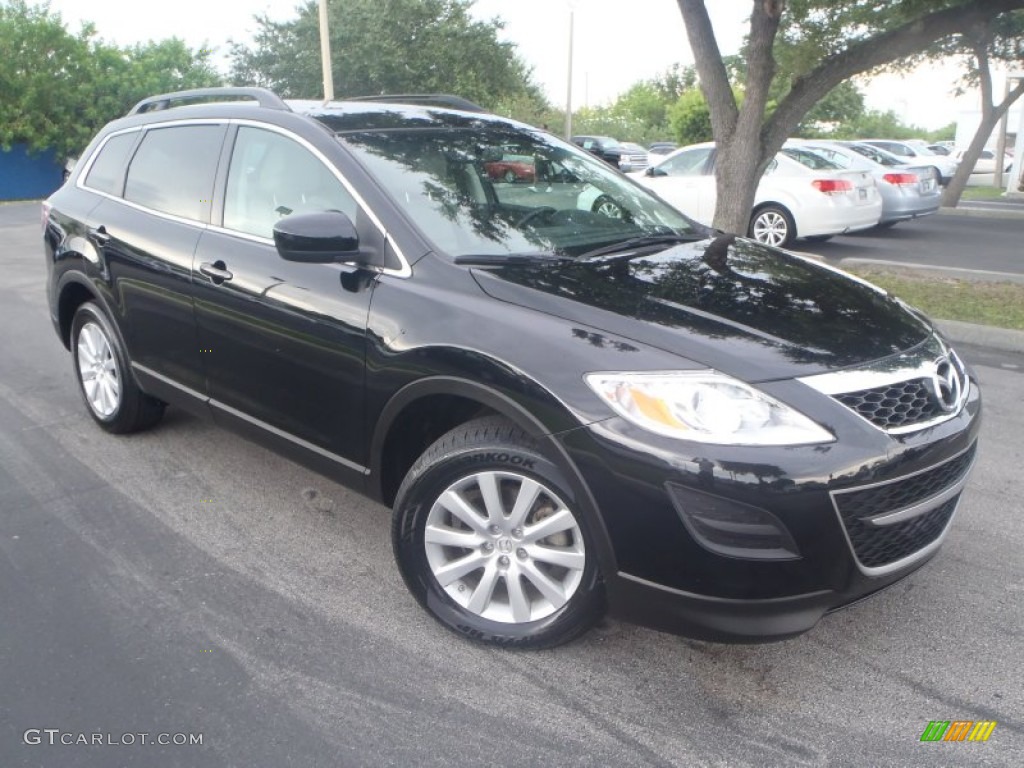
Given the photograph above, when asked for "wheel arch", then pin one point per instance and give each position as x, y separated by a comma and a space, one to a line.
73, 291
788, 209
391, 457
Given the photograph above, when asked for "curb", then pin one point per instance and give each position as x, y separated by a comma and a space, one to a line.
1003, 339
983, 213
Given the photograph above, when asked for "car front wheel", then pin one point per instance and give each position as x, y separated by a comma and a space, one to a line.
491, 541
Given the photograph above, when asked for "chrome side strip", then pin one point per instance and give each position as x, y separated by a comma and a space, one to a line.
350, 465
916, 510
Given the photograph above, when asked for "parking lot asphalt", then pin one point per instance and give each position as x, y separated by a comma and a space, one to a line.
186, 581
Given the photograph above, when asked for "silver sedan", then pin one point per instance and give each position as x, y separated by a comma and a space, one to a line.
907, 191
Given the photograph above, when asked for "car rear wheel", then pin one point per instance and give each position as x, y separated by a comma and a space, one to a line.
491, 541
772, 225
510, 176
111, 395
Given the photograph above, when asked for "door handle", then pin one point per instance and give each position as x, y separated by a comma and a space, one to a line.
217, 271
98, 235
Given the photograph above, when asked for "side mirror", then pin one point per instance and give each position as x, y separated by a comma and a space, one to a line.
317, 238
654, 171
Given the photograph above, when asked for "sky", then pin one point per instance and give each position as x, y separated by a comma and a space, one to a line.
615, 44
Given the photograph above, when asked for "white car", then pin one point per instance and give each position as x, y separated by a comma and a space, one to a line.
987, 162
800, 195
917, 153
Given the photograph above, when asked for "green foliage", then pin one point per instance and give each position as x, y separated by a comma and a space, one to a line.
59, 88
390, 46
690, 118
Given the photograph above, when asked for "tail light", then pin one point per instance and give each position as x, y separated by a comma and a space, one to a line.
45, 214
901, 179
832, 186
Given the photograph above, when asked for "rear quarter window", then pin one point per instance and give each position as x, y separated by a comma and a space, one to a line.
174, 168
107, 171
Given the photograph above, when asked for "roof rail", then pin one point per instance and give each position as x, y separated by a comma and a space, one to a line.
262, 96
423, 99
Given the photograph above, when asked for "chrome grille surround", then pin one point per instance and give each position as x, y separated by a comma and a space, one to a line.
903, 393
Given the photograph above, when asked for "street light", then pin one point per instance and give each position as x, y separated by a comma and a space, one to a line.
325, 53
568, 89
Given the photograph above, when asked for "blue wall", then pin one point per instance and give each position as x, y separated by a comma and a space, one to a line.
24, 176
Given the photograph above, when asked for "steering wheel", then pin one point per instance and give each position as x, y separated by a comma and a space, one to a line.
544, 210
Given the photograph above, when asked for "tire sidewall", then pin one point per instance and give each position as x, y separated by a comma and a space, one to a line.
412, 507
90, 312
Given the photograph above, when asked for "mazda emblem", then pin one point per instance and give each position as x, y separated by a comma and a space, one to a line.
946, 384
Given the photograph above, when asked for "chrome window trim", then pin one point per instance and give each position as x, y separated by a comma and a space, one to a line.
933, 502
403, 272
350, 465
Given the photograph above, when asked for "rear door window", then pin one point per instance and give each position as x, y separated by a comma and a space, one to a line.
693, 162
107, 172
173, 170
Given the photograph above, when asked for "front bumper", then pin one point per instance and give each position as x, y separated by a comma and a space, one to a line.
667, 577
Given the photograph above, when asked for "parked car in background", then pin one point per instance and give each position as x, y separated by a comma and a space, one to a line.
511, 169
987, 162
633, 159
659, 150
612, 151
907, 191
940, 149
800, 195
917, 153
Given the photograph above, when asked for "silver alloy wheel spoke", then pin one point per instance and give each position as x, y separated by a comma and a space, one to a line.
456, 569
770, 228
97, 369
562, 520
528, 492
494, 567
564, 558
451, 537
488, 484
454, 503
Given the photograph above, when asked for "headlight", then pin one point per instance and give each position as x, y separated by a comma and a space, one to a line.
706, 407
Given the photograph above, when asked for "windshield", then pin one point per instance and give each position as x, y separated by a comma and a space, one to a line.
486, 191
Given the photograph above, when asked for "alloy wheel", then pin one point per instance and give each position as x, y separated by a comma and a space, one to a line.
98, 370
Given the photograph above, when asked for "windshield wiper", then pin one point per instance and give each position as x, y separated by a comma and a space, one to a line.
502, 259
637, 243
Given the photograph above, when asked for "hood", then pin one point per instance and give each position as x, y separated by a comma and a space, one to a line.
728, 303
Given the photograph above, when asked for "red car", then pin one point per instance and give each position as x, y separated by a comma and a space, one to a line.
510, 171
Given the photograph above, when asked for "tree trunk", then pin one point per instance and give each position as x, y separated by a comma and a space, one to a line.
990, 118
747, 142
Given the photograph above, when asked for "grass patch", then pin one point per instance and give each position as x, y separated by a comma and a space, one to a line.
998, 304
982, 193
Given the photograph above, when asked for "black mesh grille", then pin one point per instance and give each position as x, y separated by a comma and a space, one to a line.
879, 545
895, 405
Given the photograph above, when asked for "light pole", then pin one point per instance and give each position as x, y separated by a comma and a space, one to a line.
325, 53
568, 89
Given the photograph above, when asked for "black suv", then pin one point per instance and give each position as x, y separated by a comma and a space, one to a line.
571, 406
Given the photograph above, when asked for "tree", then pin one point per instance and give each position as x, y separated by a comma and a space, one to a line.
59, 88
1001, 38
388, 46
690, 118
820, 44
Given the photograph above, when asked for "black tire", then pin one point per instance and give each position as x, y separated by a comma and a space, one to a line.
776, 219
467, 452
132, 409
818, 238
605, 206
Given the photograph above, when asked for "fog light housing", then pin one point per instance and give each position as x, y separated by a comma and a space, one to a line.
731, 528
